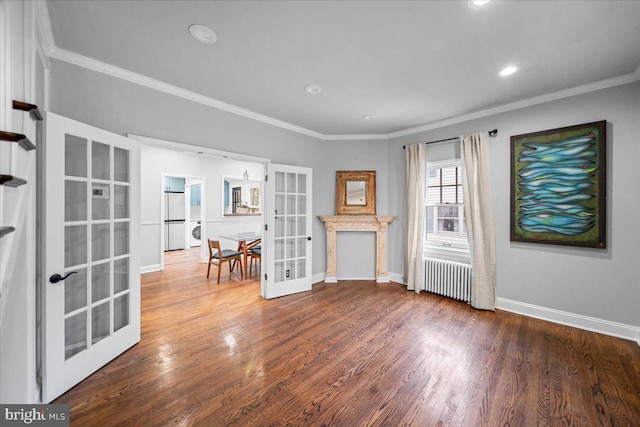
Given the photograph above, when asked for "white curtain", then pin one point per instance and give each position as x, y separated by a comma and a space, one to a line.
478, 211
415, 156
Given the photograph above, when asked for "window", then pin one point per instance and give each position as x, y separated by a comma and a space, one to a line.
445, 226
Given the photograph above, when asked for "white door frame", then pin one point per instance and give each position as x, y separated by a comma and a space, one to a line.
203, 209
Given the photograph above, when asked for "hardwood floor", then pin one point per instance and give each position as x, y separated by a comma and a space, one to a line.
350, 354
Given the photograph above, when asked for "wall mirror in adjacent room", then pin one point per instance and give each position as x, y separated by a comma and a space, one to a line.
241, 196
356, 192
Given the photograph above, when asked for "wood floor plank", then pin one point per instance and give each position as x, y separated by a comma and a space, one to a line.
349, 354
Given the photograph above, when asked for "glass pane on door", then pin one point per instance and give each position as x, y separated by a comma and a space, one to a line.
100, 201
75, 156
100, 241
75, 334
302, 204
75, 201
302, 247
120, 165
280, 182
75, 245
100, 324
120, 312
300, 267
302, 183
100, 161
279, 249
120, 201
121, 238
75, 291
100, 282
120, 275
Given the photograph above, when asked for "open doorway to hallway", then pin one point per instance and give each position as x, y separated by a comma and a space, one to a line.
183, 212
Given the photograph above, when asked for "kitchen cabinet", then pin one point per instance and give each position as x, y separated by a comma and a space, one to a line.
173, 184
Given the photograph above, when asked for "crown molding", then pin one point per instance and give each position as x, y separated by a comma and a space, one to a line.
553, 96
43, 25
354, 137
130, 76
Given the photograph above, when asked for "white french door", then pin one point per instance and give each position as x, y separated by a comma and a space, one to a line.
91, 281
288, 231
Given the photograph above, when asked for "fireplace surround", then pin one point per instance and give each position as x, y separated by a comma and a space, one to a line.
377, 224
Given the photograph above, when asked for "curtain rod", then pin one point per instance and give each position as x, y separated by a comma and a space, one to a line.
491, 133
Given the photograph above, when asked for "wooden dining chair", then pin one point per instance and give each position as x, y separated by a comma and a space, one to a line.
256, 253
217, 256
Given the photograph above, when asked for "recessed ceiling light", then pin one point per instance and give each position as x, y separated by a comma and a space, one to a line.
475, 4
508, 70
369, 117
202, 33
313, 89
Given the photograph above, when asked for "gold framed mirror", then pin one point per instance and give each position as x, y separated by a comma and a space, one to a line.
355, 192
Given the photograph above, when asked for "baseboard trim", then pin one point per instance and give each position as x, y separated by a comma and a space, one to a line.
340, 279
316, 278
150, 268
322, 277
397, 278
593, 324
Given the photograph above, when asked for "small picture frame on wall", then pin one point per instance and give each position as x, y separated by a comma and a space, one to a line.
355, 192
558, 186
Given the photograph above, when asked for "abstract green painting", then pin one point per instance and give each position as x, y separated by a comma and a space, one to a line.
558, 186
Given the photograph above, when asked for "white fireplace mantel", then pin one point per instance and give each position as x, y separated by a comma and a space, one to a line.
378, 224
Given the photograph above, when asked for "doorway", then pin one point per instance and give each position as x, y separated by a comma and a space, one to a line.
183, 210
160, 159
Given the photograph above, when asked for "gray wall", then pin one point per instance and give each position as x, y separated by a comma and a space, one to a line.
592, 282
123, 107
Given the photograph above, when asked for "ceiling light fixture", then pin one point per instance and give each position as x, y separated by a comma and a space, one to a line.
476, 4
202, 33
508, 70
313, 89
369, 117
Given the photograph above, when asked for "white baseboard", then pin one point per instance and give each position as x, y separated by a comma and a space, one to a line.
321, 277
318, 278
149, 268
397, 278
607, 327
355, 278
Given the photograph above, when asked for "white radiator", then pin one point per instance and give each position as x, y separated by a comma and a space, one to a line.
449, 278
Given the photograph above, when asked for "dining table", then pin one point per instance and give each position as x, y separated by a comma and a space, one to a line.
246, 241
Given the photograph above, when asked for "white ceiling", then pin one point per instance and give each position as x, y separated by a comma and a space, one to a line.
410, 63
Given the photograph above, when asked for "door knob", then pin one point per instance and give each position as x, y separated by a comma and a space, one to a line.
55, 278
309, 238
